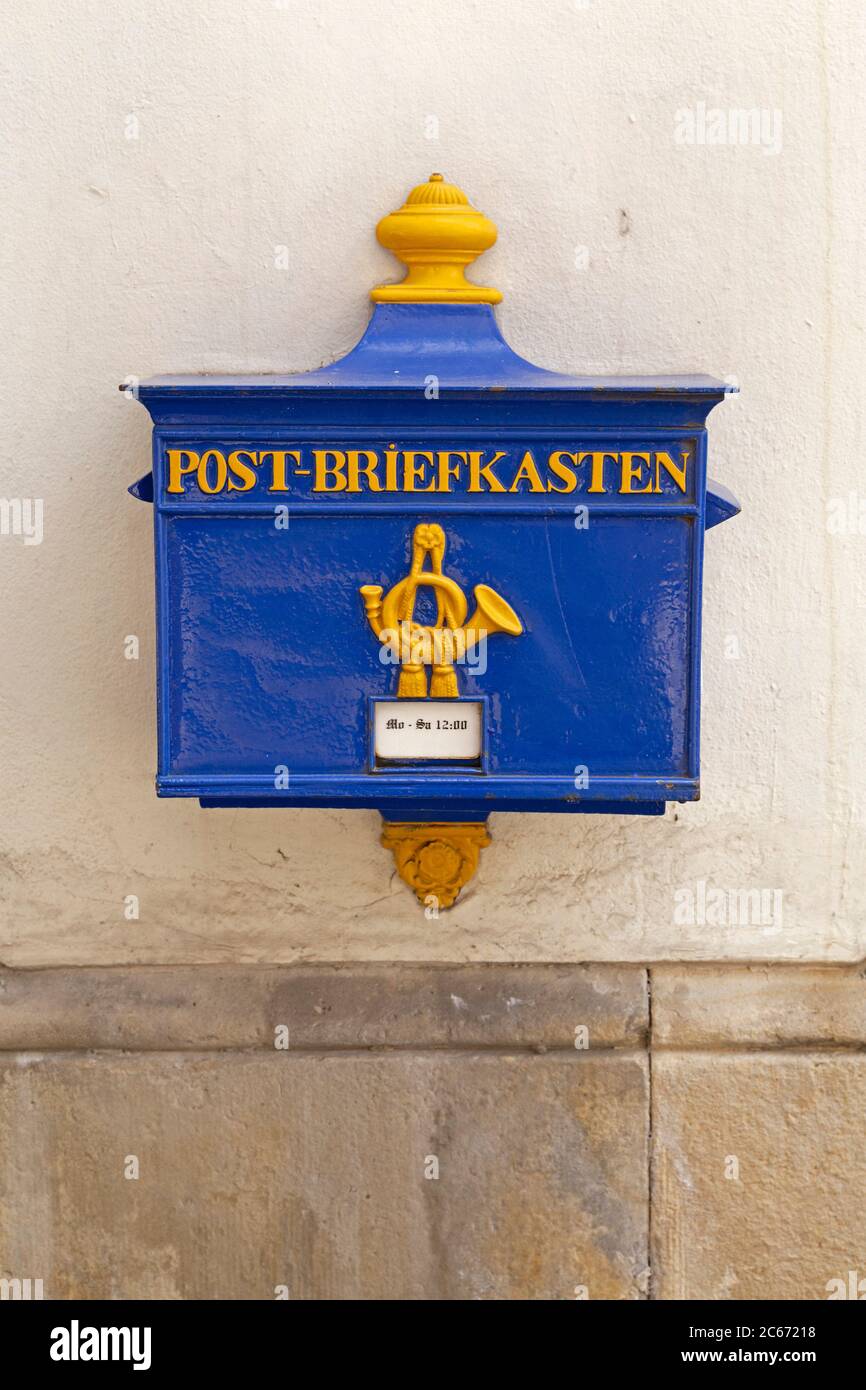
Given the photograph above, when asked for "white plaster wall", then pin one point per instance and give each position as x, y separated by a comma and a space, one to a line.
300, 122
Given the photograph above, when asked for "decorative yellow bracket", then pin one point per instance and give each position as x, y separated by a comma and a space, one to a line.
436, 859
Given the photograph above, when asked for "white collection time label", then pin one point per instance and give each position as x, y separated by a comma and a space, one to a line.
437, 730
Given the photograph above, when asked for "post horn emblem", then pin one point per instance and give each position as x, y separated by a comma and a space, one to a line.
440, 644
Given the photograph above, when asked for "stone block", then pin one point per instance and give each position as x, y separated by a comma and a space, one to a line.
759, 1006
143, 1008
318, 1173
759, 1189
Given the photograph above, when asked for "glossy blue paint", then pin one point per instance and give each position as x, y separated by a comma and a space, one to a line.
266, 660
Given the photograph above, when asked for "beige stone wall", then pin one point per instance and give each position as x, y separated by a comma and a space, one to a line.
705, 1143
162, 153
433, 1132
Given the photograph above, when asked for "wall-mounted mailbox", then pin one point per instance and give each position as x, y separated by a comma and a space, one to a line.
431, 578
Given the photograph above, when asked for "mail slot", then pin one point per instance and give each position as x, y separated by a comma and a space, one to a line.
431, 578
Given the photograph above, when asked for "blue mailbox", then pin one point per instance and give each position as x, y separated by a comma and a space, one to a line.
431, 578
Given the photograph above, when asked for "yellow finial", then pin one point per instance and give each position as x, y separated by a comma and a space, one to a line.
436, 234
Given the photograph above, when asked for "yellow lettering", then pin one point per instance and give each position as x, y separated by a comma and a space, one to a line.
596, 478
678, 474
368, 470
221, 471
391, 468
528, 471
447, 470
337, 470
630, 474
177, 468
413, 471
562, 470
477, 469
279, 481
244, 471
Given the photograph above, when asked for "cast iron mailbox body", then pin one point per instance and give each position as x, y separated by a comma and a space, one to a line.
319, 539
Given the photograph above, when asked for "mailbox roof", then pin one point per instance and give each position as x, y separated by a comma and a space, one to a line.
458, 345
